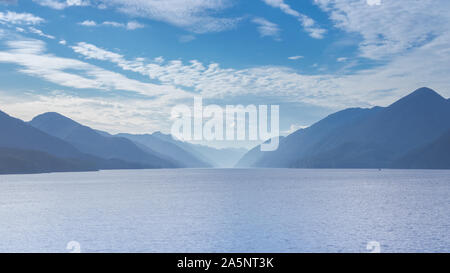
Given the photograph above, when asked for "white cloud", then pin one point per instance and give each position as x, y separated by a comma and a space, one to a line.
413, 39
361, 88
113, 24
198, 16
341, 59
159, 59
61, 4
267, 28
420, 67
88, 23
391, 28
132, 25
40, 33
117, 111
309, 25
15, 18
63, 42
294, 58
30, 56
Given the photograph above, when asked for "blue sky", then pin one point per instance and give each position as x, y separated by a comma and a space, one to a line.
120, 65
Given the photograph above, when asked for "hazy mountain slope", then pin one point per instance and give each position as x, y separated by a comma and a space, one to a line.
435, 155
303, 141
363, 138
221, 158
91, 142
17, 161
172, 150
218, 158
253, 156
18, 134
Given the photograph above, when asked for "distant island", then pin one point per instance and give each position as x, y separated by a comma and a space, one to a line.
412, 133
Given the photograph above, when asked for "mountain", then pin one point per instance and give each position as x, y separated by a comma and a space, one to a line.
17, 161
218, 158
185, 158
17, 134
92, 142
435, 155
37, 151
24, 149
362, 138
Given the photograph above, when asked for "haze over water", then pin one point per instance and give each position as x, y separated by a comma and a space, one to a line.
238, 210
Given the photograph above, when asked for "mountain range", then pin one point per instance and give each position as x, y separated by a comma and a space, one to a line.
413, 132
52, 142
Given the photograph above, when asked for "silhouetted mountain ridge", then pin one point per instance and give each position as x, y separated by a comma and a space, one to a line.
168, 148
362, 138
92, 142
218, 158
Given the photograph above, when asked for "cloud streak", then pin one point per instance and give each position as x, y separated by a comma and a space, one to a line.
31, 57
392, 27
198, 16
132, 25
361, 88
267, 28
309, 25
10, 17
62, 4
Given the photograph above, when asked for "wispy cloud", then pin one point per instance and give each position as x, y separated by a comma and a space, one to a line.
31, 57
132, 25
40, 33
294, 58
335, 91
15, 18
429, 63
88, 23
309, 25
267, 28
199, 16
62, 4
388, 28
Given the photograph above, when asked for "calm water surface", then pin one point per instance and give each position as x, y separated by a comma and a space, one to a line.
226, 211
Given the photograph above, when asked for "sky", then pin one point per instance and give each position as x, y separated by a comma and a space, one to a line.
121, 65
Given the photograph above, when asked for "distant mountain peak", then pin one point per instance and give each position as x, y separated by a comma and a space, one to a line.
55, 117
421, 96
425, 91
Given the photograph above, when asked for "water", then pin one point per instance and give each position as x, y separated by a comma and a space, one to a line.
226, 211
